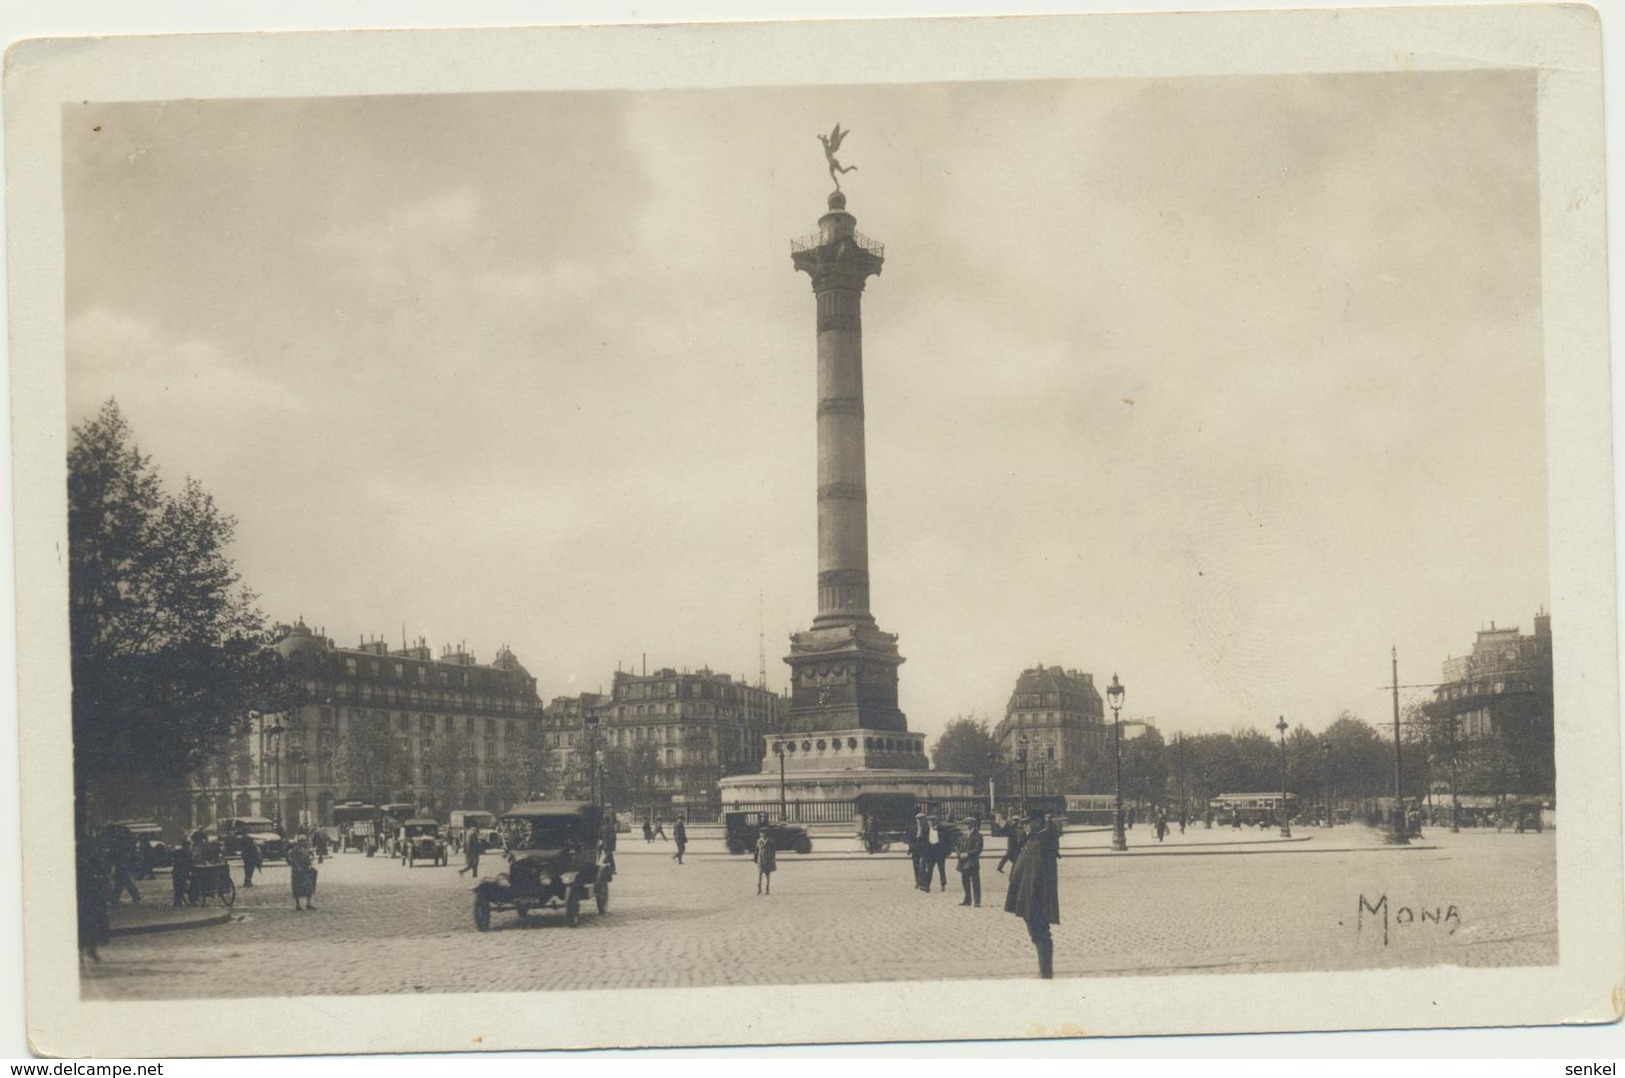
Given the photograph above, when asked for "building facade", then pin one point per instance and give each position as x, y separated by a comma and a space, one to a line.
1493, 716
380, 725
564, 732
677, 733
1058, 717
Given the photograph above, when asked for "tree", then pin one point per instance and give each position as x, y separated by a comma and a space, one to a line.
368, 761
1361, 763
967, 745
169, 654
449, 772
1145, 768
527, 769
628, 775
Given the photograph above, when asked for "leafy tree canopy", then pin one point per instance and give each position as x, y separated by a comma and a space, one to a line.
169, 653
967, 744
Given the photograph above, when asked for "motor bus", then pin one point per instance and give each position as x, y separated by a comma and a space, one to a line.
1252, 809
357, 821
1094, 810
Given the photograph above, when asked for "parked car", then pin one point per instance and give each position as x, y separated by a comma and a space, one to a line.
551, 861
743, 828
421, 840
235, 830
135, 830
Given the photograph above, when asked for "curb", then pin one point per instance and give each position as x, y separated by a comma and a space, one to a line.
142, 929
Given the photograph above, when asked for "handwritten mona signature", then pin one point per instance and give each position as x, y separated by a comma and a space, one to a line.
1446, 919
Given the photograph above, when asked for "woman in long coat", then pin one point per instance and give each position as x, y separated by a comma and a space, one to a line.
302, 873
1034, 893
767, 860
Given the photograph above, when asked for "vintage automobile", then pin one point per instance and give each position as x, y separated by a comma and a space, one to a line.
235, 830
743, 828
551, 861
884, 819
134, 831
421, 841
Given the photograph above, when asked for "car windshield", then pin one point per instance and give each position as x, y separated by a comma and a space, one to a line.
264, 827
416, 830
541, 832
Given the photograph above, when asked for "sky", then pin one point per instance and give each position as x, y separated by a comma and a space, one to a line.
1226, 385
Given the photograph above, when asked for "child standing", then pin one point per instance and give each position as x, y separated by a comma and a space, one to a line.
767, 859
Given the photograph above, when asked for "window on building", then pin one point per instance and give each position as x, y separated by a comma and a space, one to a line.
671, 757
490, 728
401, 722
350, 666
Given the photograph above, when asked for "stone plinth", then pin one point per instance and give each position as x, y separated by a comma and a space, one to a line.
844, 784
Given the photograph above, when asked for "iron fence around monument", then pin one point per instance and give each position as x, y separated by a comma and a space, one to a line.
810, 812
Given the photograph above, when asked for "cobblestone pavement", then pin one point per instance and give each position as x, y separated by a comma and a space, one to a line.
1201, 905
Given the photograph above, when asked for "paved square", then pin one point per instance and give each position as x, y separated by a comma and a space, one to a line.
1205, 902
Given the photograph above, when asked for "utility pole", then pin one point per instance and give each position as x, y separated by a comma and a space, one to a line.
1399, 790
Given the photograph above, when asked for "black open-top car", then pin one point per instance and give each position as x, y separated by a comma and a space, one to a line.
743, 828
551, 862
421, 841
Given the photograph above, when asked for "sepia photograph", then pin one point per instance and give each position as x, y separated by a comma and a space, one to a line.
1079, 530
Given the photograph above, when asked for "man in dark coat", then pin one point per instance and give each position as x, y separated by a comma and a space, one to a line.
252, 860
679, 835
473, 846
181, 872
969, 860
919, 851
1034, 893
939, 843
1012, 843
608, 840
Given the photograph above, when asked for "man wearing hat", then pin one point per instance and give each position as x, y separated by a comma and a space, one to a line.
1034, 893
919, 851
969, 860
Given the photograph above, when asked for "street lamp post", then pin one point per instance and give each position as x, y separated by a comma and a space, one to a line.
304, 788
1286, 829
1114, 696
592, 757
1043, 778
992, 793
1021, 758
1184, 807
275, 733
1331, 812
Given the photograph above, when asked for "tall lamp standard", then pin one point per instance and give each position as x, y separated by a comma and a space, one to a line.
1286, 829
1021, 758
275, 733
1114, 697
304, 788
592, 757
1331, 812
992, 793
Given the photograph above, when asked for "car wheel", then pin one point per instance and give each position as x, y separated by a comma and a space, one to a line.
601, 892
572, 909
228, 894
482, 913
